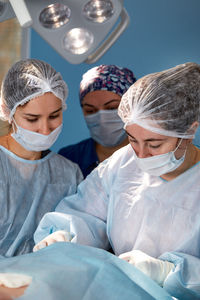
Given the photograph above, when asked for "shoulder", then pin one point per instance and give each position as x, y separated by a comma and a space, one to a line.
68, 169
122, 156
62, 161
78, 147
120, 162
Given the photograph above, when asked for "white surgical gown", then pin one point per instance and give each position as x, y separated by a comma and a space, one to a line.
120, 205
29, 189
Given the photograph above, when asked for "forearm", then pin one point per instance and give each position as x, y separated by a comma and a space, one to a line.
84, 229
183, 282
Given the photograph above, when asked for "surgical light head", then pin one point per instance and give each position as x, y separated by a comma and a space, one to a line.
108, 78
26, 80
167, 102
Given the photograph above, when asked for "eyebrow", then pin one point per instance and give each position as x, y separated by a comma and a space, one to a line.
146, 140
35, 115
110, 101
113, 100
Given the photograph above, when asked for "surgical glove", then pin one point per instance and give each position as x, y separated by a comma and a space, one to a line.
156, 269
57, 236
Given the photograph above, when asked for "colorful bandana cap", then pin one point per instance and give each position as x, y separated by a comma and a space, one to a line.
108, 78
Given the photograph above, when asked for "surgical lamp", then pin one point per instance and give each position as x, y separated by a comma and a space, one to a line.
79, 30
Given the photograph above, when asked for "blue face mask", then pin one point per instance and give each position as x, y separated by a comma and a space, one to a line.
106, 127
160, 164
34, 141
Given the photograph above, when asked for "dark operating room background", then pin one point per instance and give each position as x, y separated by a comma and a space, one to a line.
161, 34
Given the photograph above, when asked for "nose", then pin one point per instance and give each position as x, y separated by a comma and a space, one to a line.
45, 128
142, 151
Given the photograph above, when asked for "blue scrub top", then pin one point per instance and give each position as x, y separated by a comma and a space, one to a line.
84, 154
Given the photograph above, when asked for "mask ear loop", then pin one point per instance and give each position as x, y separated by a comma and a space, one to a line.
193, 128
14, 125
178, 147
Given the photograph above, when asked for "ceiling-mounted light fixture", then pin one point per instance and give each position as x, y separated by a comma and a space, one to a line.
21, 12
78, 41
55, 15
79, 30
98, 11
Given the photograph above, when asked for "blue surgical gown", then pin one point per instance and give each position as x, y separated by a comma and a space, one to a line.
119, 205
29, 189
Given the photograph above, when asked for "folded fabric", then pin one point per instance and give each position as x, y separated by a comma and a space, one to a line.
71, 271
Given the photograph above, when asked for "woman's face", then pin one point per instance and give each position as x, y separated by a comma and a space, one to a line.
42, 114
99, 100
146, 143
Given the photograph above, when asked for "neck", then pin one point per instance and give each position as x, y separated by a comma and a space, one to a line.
105, 152
18, 150
191, 158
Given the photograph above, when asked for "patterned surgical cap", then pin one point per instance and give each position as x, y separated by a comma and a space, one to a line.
108, 78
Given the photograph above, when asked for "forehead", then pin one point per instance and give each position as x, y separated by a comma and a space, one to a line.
141, 133
42, 104
100, 97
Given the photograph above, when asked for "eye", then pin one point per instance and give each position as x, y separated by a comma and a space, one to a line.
154, 146
31, 120
89, 111
131, 140
54, 116
111, 108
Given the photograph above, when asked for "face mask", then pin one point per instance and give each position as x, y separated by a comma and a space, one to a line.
160, 164
106, 127
34, 141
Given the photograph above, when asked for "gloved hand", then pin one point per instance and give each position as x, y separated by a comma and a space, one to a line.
57, 236
156, 269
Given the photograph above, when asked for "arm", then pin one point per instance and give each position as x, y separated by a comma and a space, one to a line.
82, 215
178, 273
183, 282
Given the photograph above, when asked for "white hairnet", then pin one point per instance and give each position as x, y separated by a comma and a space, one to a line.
28, 79
167, 102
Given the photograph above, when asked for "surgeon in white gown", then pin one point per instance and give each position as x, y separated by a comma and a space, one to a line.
32, 178
144, 201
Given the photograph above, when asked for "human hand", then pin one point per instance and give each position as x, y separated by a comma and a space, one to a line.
156, 269
57, 236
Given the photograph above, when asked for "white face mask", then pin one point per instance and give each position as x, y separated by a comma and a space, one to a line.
34, 141
160, 164
106, 127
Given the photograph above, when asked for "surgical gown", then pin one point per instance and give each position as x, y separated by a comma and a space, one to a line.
119, 205
29, 189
